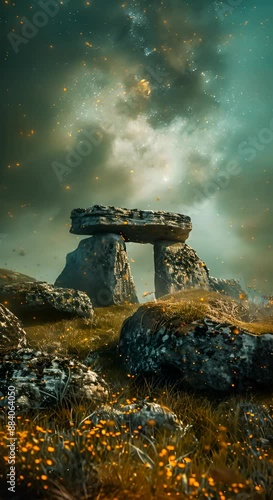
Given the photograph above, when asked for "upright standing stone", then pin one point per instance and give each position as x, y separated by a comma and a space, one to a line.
177, 267
100, 267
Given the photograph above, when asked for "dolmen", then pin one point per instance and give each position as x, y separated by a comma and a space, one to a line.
100, 266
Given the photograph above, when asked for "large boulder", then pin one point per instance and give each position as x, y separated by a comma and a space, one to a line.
178, 267
140, 226
12, 335
200, 343
31, 301
43, 380
100, 267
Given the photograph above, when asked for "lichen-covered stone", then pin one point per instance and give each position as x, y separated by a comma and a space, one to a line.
12, 335
43, 380
228, 287
142, 416
178, 267
31, 301
205, 354
140, 226
100, 267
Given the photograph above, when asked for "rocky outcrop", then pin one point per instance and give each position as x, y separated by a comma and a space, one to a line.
31, 301
100, 267
228, 287
12, 335
141, 226
178, 267
43, 380
142, 416
7, 277
204, 354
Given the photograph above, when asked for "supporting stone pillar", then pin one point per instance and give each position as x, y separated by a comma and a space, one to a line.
177, 267
100, 267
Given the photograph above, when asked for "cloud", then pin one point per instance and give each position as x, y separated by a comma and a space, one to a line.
167, 79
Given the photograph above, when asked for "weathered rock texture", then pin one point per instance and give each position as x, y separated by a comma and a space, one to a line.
100, 267
228, 287
12, 335
43, 380
37, 300
141, 226
7, 276
177, 267
204, 354
142, 416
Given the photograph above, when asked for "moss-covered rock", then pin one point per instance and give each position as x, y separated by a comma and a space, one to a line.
203, 338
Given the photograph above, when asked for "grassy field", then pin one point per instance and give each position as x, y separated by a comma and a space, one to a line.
62, 455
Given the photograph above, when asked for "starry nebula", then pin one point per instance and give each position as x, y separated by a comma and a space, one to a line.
162, 105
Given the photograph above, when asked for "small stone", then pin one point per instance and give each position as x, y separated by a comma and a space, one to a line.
142, 416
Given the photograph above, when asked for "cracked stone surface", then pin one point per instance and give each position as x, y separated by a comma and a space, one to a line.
100, 267
140, 226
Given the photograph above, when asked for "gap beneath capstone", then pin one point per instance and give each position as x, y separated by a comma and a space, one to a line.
141, 259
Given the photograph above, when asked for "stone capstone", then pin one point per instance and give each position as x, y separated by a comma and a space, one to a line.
12, 335
178, 267
38, 300
140, 226
100, 267
43, 380
203, 355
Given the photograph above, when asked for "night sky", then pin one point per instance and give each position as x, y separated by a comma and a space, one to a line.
176, 98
